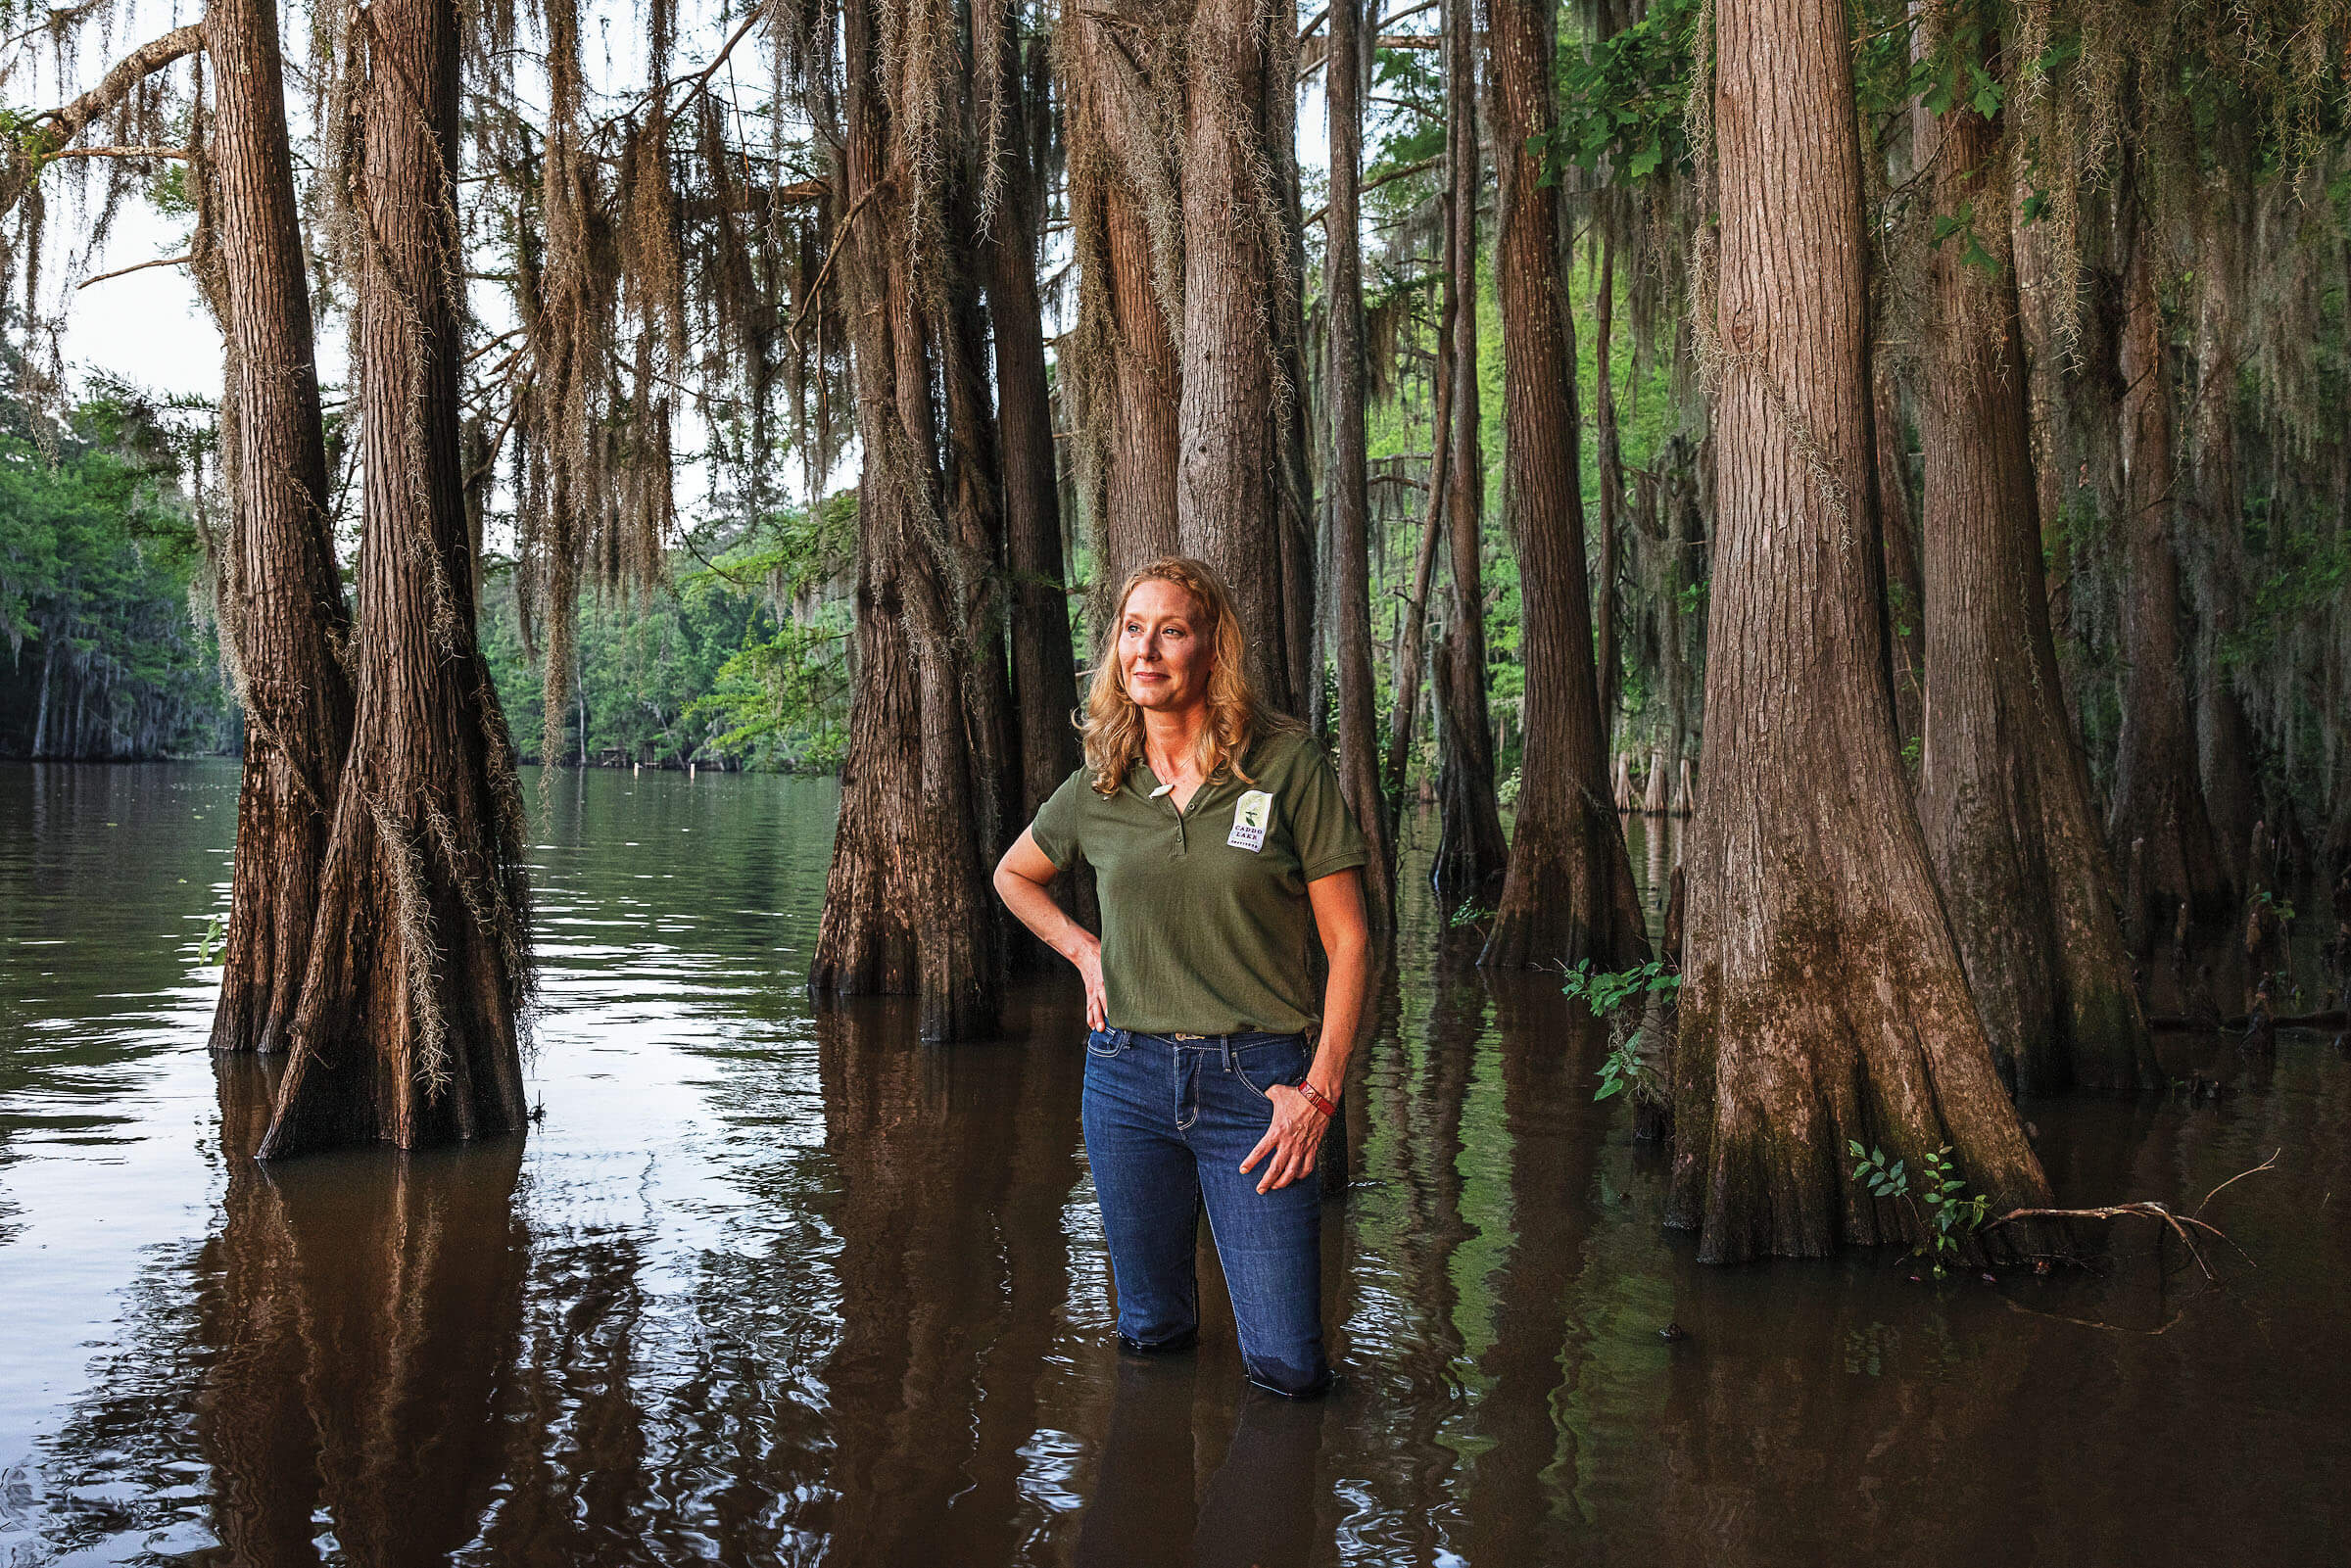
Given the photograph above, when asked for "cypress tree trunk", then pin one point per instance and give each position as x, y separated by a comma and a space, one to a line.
2223, 738
1233, 420
1471, 852
406, 1032
1412, 646
283, 614
2158, 819
905, 907
1344, 474
1044, 678
1825, 1000
1607, 644
2003, 795
973, 486
1569, 892
1126, 225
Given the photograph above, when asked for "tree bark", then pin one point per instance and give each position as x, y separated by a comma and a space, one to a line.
283, 614
1569, 893
1607, 644
2158, 814
1471, 852
1044, 677
1905, 590
1237, 284
975, 550
406, 1031
2223, 738
905, 903
1122, 367
1412, 645
1825, 1001
1344, 476
2003, 794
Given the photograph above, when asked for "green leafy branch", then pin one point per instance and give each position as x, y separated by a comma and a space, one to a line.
1606, 993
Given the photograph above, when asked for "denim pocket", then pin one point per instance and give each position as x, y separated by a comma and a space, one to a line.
1261, 1067
1101, 1042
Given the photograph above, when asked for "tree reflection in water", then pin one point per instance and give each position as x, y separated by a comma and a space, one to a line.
367, 1315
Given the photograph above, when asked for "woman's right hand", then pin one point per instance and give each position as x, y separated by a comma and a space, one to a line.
1088, 960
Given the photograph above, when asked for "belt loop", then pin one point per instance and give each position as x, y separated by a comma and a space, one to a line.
1225, 1042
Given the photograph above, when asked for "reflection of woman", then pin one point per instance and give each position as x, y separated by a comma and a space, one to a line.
1220, 842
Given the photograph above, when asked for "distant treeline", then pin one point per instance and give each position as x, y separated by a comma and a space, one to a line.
739, 659
103, 659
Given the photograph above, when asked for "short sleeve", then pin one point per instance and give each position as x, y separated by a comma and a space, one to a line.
1322, 826
1056, 828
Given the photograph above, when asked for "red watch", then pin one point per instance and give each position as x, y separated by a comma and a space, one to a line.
1317, 1099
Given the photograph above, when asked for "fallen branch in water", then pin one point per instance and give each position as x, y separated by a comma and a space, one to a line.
2170, 1218
2152, 1211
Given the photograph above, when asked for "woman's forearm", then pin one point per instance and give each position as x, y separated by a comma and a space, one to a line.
1033, 905
1342, 1015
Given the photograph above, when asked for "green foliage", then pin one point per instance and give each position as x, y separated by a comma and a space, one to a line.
1961, 225
1469, 912
1604, 991
1940, 1208
742, 660
1623, 1067
96, 558
1623, 99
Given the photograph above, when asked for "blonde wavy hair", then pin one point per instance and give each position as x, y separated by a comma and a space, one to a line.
1112, 730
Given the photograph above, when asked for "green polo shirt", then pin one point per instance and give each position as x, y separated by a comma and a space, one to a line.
1202, 934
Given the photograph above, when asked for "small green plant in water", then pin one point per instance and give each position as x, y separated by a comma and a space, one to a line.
1623, 1067
1940, 1208
211, 940
1606, 993
1470, 912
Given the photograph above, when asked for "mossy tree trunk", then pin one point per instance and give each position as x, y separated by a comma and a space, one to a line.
1233, 420
2158, 824
906, 910
1825, 1000
407, 1029
1044, 680
1345, 474
281, 612
2003, 793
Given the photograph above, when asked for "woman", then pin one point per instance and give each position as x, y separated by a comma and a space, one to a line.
1218, 836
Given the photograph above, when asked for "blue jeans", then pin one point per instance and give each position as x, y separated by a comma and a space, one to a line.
1167, 1123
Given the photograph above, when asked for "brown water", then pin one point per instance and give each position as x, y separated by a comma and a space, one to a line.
771, 1285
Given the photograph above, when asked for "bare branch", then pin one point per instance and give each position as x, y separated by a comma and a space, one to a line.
70, 121
2270, 1163
1422, 166
121, 271
114, 152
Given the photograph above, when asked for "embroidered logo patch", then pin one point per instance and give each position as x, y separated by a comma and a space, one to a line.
1248, 818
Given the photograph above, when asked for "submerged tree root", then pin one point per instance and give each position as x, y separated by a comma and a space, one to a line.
2170, 1218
